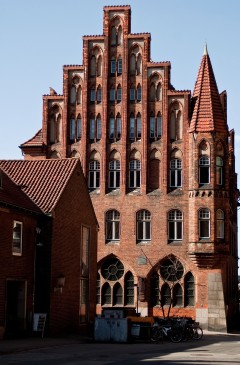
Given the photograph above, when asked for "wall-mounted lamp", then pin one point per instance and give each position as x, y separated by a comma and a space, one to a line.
60, 283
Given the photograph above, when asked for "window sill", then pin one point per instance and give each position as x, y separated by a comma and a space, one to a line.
175, 242
143, 242
113, 243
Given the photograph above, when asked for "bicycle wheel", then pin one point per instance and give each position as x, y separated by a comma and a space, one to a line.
176, 335
156, 335
197, 333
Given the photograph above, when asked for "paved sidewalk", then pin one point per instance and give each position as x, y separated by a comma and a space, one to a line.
26, 344
9, 346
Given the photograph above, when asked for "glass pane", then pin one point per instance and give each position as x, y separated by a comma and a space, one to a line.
111, 128
132, 132
152, 127
92, 129
179, 230
79, 128
204, 229
140, 230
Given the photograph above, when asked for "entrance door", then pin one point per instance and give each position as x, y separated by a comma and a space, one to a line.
16, 307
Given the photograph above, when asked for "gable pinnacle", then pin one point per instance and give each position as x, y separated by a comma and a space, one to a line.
205, 52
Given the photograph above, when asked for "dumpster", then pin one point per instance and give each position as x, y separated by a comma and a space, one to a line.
140, 327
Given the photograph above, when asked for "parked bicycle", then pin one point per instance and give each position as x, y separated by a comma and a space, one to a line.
176, 330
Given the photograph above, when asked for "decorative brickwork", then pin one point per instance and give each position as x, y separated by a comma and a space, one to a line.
147, 147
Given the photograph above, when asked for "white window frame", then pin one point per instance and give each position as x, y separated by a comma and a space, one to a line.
94, 174
144, 221
17, 239
175, 217
112, 221
204, 216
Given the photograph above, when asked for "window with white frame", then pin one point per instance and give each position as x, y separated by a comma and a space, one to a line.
143, 225
134, 174
17, 238
175, 225
204, 223
175, 173
114, 174
112, 219
94, 174
220, 223
204, 170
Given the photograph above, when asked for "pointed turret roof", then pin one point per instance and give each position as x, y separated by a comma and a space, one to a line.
208, 113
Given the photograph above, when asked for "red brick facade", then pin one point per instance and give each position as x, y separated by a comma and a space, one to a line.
160, 169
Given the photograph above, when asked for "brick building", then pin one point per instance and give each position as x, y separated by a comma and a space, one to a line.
160, 167
45, 204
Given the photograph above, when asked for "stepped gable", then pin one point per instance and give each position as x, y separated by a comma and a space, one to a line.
43, 181
12, 195
36, 140
207, 114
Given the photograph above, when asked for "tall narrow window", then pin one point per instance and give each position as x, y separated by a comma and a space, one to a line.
113, 67
175, 225
115, 128
132, 94
220, 223
189, 290
112, 225
139, 64
72, 129
106, 294
135, 127
117, 294
79, 127
129, 289
152, 92
132, 64
204, 170
114, 174
143, 225
119, 66
113, 36
219, 170
175, 122
166, 294
177, 295
139, 93
93, 66
17, 238
95, 128
73, 95
79, 95
204, 223
175, 173
92, 95
119, 94
159, 92
98, 289
134, 174
155, 127
99, 94
99, 66
155, 291
94, 175
139, 126
154, 174
119, 36
112, 94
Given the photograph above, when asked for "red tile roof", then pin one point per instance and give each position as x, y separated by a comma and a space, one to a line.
36, 140
43, 181
12, 195
207, 113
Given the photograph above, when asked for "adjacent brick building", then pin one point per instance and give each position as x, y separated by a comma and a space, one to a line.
160, 167
48, 246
